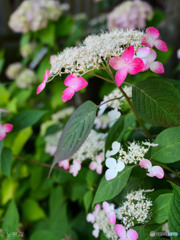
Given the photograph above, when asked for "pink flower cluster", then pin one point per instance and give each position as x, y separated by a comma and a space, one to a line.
73, 169
129, 63
6, 128
105, 219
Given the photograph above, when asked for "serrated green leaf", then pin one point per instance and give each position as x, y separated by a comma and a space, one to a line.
161, 207
157, 102
76, 131
174, 212
27, 118
109, 189
11, 218
168, 149
114, 133
6, 161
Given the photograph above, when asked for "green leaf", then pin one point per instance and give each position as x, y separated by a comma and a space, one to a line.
1, 148
43, 234
168, 149
64, 26
144, 231
76, 131
11, 218
114, 133
32, 210
161, 207
6, 161
47, 35
174, 212
157, 102
27, 118
25, 39
157, 18
88, 197
109, 189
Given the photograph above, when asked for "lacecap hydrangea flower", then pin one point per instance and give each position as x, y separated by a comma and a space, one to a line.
13, 70
131, 15
27, 49
26, 78
33, 15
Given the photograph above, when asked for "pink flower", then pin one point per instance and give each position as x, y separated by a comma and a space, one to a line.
75, 167
6, 128
148, 56
74, 84
95, 232
121, 232
126, 64
43, 84
64, 164
91, 216
97, 165
150, 39
178, 53
109, 209
155, 171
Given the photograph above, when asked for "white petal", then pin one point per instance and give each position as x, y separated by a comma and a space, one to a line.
110, 174
115, 148
110, 162
120, 166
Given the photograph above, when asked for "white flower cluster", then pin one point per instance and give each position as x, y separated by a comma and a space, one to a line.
13, 70
52, 142
137, 208
117, 103
130, 14
95, 50
91, 148
134, 154
28, 49
66, 112
100, 221
33, 15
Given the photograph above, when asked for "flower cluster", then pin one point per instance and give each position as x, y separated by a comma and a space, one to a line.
100, 220
94, 153
130, 14
137, 208
117, 103
134, 154
28, 49
34, 15
24, 77
95, 50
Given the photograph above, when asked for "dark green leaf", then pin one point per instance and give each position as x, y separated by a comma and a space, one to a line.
174, 212
11, 218
145, 231
88, 197
47, 35
157, 102
64, 26
114, 133
6, 161
27, 118
161, 207
109, 189
76, 131
168, 149
43, 234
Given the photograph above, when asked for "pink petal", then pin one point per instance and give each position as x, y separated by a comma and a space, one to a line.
97, 207
8, 127
132, 234
146, 41
121, 76
93, 165
157, 172
116, 63
68, 94
46, 76
152, 32
95, 233
106, 207
152, 55
120, 230
128, 54
2, 135
143, 52
136, 66
161, 45
40, 87
64, 164
90, 217
145, 163
146, 64
99, 169
112, 218
75, 82
157, 67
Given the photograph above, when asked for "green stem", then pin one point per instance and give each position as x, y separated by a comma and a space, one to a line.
137, 117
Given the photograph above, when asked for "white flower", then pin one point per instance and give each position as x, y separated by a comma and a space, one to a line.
115, 149
75, 167
114, 168
114, 115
